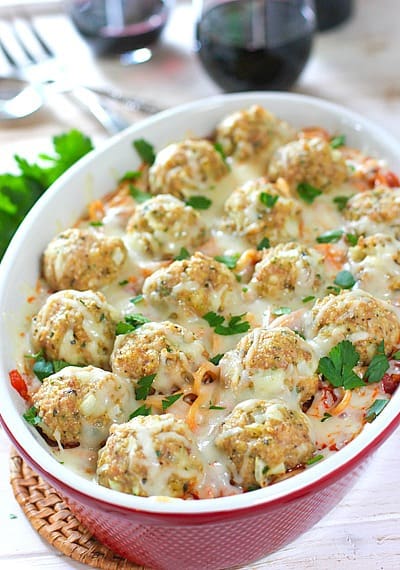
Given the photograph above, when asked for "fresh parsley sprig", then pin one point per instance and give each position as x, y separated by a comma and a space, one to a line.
145, 150
338, 366
307, 192
143, 386
131, 323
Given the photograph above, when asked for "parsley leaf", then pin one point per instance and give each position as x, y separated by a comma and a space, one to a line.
169, 400
145, 150
130, 175
281, 311
139, 195
338, 141
183, 254
199, 202
31, 416
378, 365
330, 237
325, 417
131, 323
219, 148
396, 355
264, 244
314, 459
344, 279
18, 192
216, 359
235, 324
229, 260
341, 202
352, 239
143, 386
141, 411
307, 192
338, 366
44, 368
268, 199
214, 407
374, 410
137, 299
308, 299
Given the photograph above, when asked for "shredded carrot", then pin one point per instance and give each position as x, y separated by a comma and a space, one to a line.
332, 254
96, 210
248, 259
342, 405
31, 299
193, 411
206, 369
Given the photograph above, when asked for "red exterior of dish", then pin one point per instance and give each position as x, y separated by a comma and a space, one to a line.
211, 540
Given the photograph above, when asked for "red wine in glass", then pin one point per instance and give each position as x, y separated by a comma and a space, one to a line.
255, 44
118, 26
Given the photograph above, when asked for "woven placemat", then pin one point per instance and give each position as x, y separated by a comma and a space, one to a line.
50, 516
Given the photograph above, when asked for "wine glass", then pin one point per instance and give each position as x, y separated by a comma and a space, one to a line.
254, 44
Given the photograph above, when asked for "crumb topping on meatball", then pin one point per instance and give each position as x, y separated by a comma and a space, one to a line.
264, 439
180, 169
82, 259
75, 326
151, 455
162, 226
259, 209
375, 210
309, 160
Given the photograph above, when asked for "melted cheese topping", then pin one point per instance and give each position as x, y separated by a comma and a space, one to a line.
213, 401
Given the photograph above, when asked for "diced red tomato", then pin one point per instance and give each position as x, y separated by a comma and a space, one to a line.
390, 382
19, 384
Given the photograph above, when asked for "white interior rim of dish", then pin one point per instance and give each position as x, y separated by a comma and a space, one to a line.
346, 122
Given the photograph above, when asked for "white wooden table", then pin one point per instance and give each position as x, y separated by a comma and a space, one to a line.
356, 65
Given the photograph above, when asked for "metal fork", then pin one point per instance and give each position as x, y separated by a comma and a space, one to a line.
30, 57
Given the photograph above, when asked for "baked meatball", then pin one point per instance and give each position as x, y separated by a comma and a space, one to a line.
375, 210
198, 284
77, 406
309, 160
246, 133
269, 362
165, 349
263, 439
191, 166
163, 225
151, 455
75, 326
356, 316
82, 259
259, 209
375, 260
287, 272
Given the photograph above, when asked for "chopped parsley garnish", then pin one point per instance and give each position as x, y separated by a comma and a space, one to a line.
325, 417
145, 150
344, 279
12, 516
281, 311
352, 239
31, 416
341, 202
396, 355
235, 325
199, 202
264, 244
123, 282
307, 192
96, 223
218, 147
333, 289
169, 400
216, 359
338, 141
139, 195
378, 365
131, 323
183, 254
308, 299
375, 410
338, 366
143, 386
229, 260
137, 299
141, 411
268, 199
330, 237
214, 407
44, 368
315, 459
130, 175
